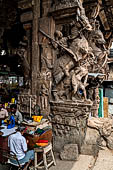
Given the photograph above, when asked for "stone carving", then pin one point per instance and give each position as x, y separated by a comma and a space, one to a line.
70, 152
79, 52
44, 92
81, 16
93, 95
80, 47
65, 57
102, 126
27, 103
78, 75
97, 43
69, 120
63, 3
80, 12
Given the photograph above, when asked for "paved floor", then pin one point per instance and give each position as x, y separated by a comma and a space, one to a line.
83, 163
104, 161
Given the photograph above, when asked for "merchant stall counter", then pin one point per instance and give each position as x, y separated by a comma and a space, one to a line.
36, 131
4, 134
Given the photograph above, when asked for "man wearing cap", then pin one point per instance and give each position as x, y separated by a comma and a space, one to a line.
18, 145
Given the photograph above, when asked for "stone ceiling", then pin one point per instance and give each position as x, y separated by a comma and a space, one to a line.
106, 7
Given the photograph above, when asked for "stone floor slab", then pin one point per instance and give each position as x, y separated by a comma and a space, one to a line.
104, 160
84, 162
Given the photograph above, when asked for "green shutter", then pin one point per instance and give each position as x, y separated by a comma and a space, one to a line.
100, 110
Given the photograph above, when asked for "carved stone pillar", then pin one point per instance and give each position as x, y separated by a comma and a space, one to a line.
69, 121
96, 102
35, 46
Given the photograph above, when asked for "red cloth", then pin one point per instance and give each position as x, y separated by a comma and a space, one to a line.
42, 141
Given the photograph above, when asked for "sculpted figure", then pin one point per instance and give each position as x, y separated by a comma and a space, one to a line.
81, 16
65, 60
80, 47
44, 96
64, 92
79, 79
78, 43
67, 57
97, 43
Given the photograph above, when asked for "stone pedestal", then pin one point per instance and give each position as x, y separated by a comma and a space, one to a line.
70, 152
69, 121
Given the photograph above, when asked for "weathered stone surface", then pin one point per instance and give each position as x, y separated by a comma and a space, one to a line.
109, 141
104, 160
70, 152
92, 136
87, 149
85, 162
27, 103
69, 123
91, 142
103, 142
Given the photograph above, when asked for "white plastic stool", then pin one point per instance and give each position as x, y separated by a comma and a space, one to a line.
44, 150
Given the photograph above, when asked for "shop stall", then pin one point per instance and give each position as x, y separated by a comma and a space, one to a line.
38, 133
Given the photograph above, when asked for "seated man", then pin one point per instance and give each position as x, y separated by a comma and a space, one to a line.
18, 145
16, 113
3, 113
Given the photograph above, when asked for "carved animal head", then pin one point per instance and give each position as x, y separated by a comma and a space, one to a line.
97, 37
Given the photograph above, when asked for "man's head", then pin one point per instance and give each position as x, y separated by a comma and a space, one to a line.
21, 129
13, 108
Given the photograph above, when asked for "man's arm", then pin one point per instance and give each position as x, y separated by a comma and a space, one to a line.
20, 119
24, 144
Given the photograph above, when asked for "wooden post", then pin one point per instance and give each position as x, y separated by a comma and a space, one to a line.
35, 45
105, 106
30, 106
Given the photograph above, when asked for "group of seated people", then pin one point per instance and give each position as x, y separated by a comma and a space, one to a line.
13, 111
17, 142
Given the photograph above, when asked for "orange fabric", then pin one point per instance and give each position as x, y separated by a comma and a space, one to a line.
42, 144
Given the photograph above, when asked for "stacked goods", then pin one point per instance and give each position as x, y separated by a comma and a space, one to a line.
42, 143
45, 135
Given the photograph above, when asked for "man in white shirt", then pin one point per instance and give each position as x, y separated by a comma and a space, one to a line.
18, 145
